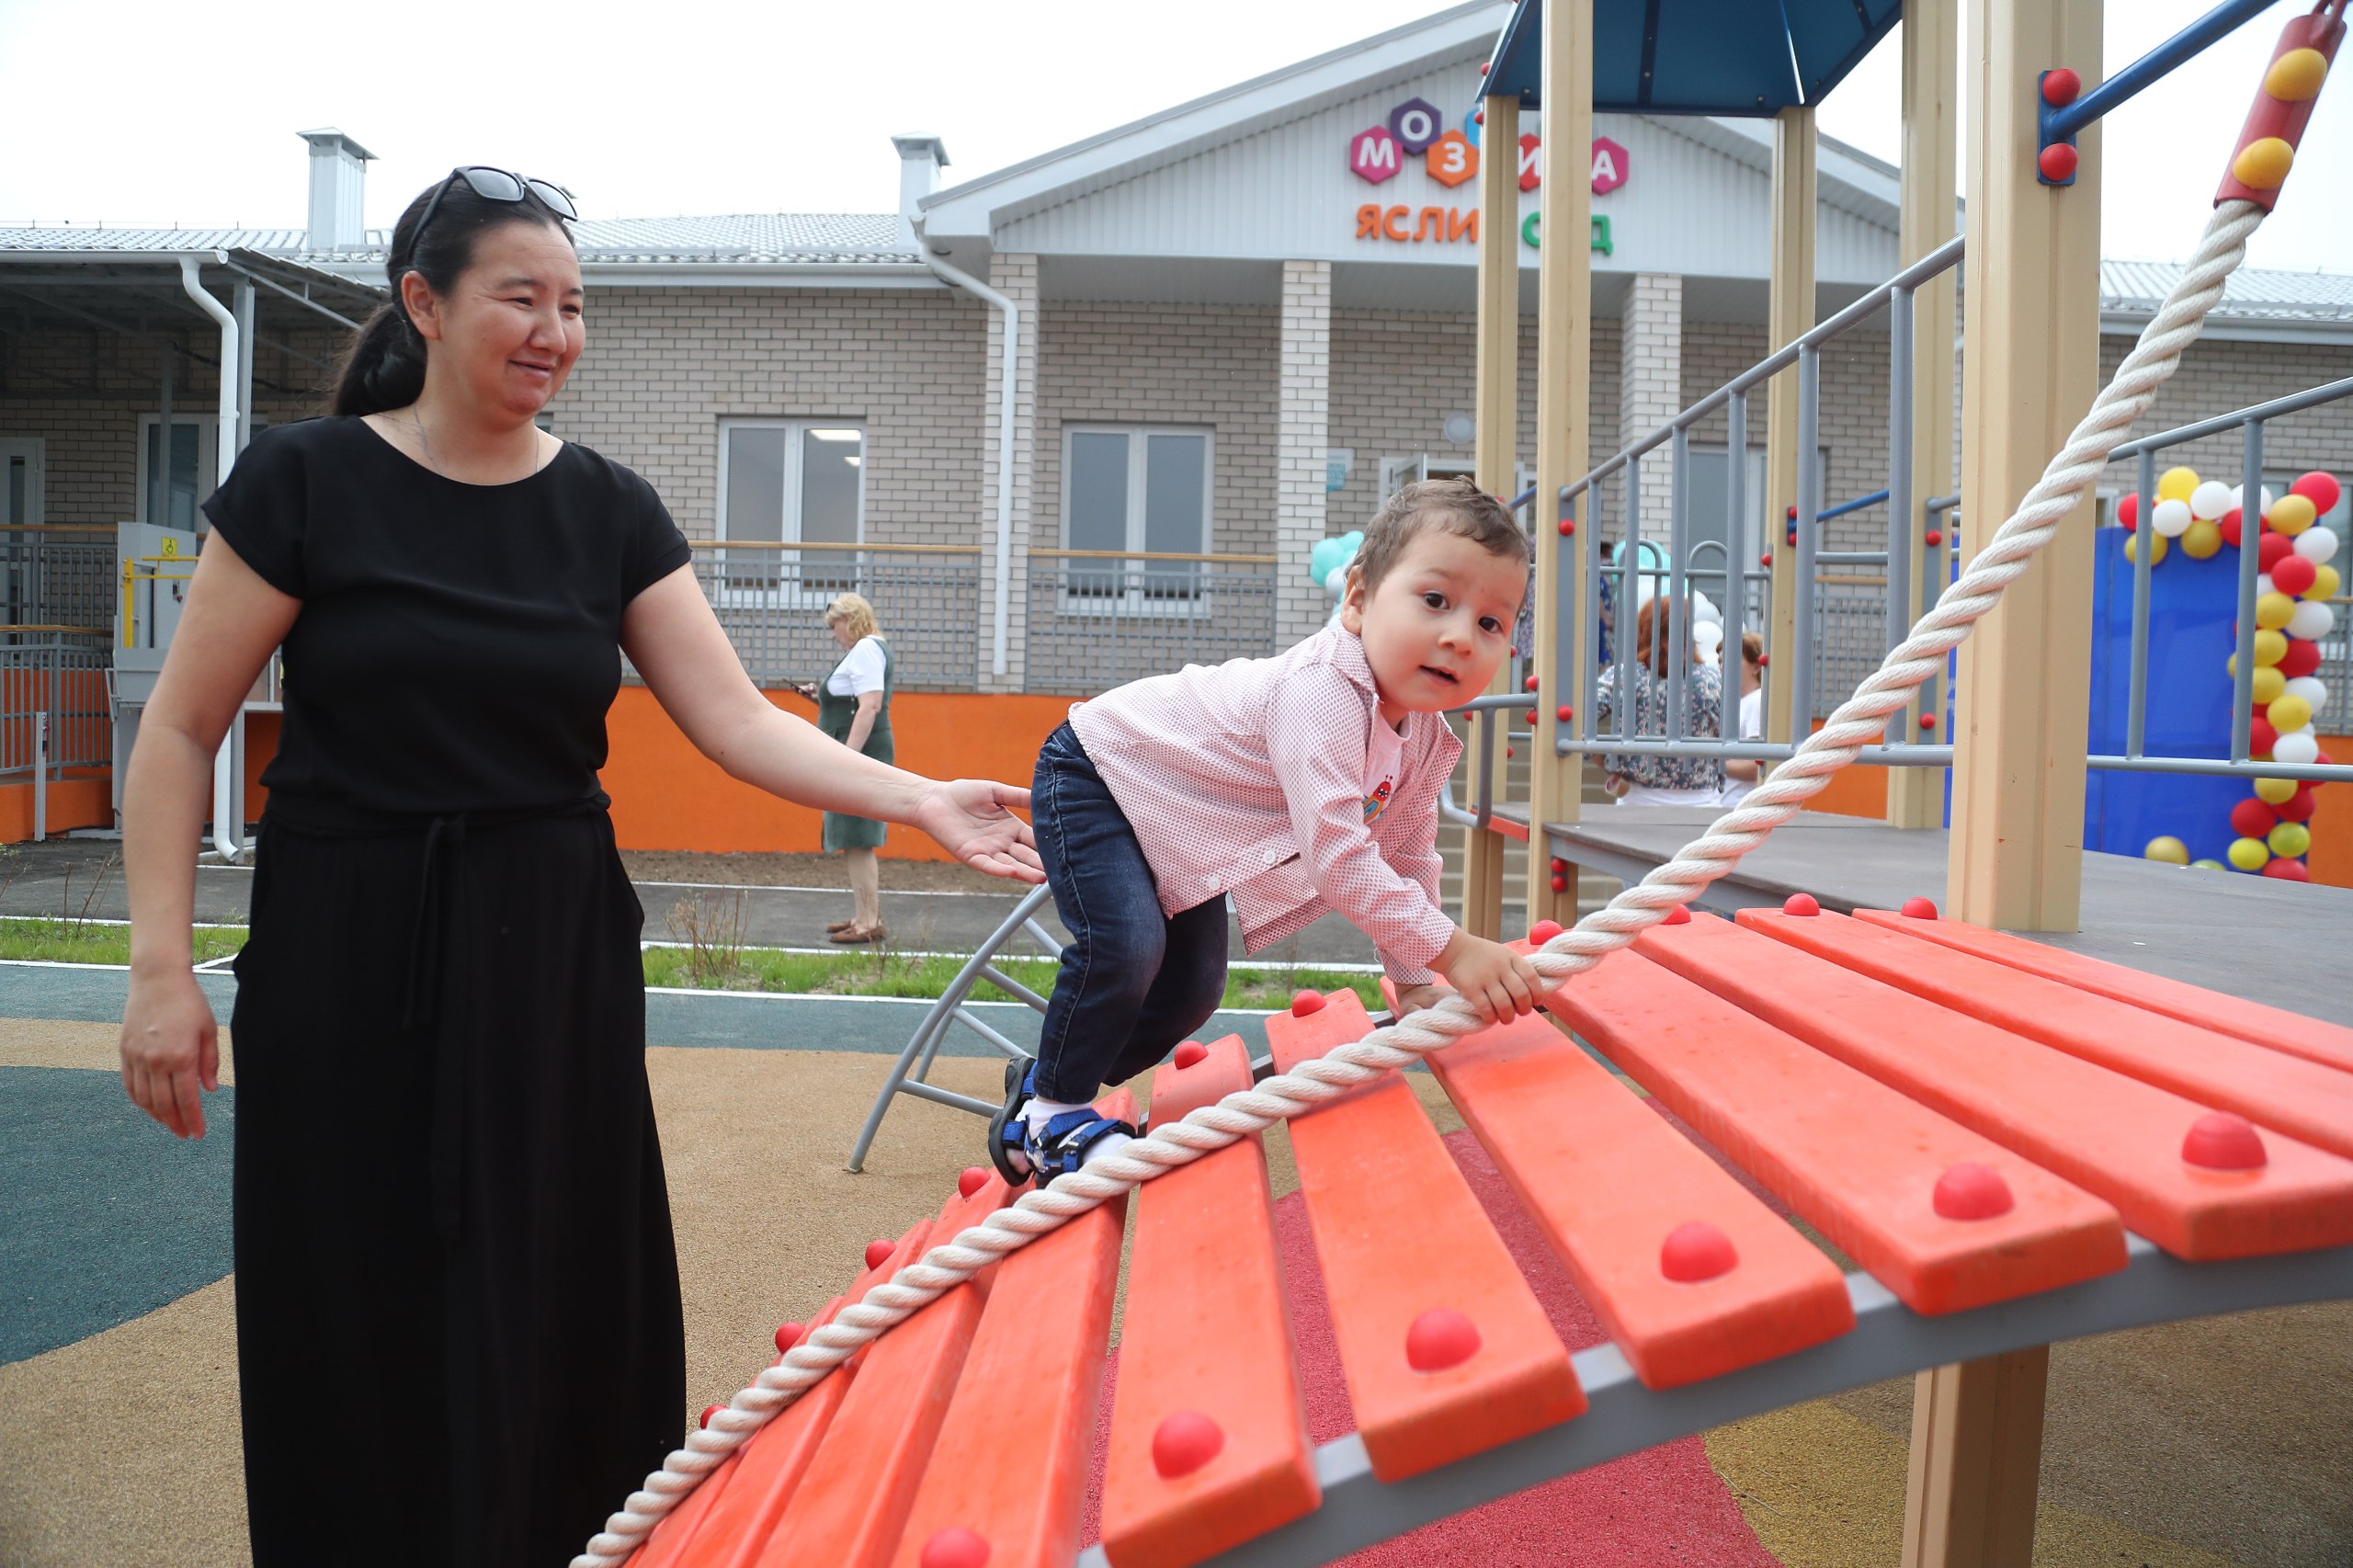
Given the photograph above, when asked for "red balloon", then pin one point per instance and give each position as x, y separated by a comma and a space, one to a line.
2291, 574
2301, 658
2251, 818
2286, 870
2128, 512
2229, 524
2260, 737
2296, 807
2320, 489
2270, 548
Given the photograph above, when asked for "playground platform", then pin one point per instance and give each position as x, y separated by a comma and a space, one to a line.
2198, 927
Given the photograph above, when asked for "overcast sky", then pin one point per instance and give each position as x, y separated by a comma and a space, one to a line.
708, 107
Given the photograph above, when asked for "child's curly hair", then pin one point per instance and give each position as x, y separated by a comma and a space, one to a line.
1455, 506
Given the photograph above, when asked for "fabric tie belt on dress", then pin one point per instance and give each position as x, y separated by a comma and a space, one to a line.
443, 836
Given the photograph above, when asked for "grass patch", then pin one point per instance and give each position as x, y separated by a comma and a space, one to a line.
882, 972
81, 941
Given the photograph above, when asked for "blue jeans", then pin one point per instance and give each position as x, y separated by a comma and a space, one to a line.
1134, 983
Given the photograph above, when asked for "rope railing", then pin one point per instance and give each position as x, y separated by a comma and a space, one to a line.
1857, 723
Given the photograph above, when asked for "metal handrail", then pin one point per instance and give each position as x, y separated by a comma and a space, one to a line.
842, 548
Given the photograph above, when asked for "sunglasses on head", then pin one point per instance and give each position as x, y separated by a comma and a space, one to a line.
499, 185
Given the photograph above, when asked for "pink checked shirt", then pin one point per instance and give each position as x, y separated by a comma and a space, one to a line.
1247, 778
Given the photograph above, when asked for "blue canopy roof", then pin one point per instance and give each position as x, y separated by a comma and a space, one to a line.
1724, 57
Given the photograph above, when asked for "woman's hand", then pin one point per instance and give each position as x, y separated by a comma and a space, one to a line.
972, 821
170, 1047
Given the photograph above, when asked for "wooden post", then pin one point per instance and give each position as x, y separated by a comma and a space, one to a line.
1497, 456
1788, 312
1564, 398
1976, 1455
1916, 796
2030, 369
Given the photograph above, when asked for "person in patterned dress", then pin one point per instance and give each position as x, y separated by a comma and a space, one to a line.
1644, 781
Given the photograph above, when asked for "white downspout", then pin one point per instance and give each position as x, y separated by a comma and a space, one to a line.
1012, 313
226, 812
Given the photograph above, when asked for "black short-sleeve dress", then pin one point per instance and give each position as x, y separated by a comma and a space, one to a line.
458, 1317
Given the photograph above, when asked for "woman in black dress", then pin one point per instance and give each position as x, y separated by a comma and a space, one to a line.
458, 1316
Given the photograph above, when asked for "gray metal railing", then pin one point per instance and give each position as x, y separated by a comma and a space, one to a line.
1099, 618
58, 574
55, 716
771, 599
1849, 636
2335, 656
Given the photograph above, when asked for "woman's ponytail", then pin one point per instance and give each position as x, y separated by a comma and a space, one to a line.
385, 367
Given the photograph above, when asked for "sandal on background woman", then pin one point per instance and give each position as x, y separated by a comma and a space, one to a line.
852, 932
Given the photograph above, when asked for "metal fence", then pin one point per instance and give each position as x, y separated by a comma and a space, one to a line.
54, 713
58, 574
1099, 618
771, 599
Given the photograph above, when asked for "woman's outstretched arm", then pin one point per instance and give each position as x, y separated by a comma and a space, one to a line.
677, 644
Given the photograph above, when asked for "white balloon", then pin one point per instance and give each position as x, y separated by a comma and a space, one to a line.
1335, 584
2262, 583
2211, 499
2238, 497
1704, 613
1707, 634
2313, 619
2311, 688
2317, 544
2296, 749
2172, 518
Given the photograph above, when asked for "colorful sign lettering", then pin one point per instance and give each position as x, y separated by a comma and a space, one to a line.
1373, 155
1451, 159
1608, 165
1415, 123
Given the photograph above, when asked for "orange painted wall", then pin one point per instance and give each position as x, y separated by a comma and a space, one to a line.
79, 799
2330, 860
666, 796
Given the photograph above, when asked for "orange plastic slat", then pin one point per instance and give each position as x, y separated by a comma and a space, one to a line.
1206, 1343
2312, 1039
1011, 1462
678, 1531
848, 1511
2116, 1137
1609, 1182
1858, 1160
738, 1505
1400, 1233
2301, 1098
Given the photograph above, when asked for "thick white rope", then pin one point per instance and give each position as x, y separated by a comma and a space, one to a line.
1857, 723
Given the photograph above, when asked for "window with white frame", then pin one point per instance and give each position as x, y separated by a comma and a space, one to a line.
1134, 491
792, 482
188, 478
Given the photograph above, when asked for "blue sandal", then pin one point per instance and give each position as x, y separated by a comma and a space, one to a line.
1060, 1146
1009, 1128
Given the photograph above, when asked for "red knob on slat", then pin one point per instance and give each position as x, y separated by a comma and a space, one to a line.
1192, 1050
708, 1412
1679, 915
954, 1547
1544, 931
1531, 683
971, 1180
1306, 1001
1920, 908
1440, 1338
788, 1335
1185, 1442
1801, 903
2221, 1142
878, 1251
1696, 1251
1971, 1191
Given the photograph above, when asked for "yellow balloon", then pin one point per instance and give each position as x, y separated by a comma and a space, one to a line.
2290, 713
2270, 647
2325, 583
2292, 514
2263, 164
2296, 75
2268, 683
2201, 540
2208, 866
2177, 484
2275, 792
2290, 839
2167, 848
2157, 559
2273, 611
2250, 854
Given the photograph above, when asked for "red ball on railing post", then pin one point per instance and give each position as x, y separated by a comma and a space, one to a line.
2057, 162
2061, 87
1568, 527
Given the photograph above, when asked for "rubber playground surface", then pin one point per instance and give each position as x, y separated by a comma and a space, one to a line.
2211, 1442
